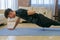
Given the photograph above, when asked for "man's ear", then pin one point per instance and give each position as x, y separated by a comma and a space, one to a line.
8, 15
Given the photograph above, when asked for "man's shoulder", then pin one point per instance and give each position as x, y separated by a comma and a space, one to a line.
21, 9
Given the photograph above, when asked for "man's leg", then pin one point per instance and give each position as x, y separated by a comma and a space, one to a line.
44, 21
55, 23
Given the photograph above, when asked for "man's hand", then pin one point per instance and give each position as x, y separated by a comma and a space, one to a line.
11, 28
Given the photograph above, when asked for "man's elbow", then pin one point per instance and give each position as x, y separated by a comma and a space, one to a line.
30, 12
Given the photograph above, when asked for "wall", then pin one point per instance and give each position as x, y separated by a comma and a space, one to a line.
24, 3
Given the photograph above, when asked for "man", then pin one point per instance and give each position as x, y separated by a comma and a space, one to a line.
30, 16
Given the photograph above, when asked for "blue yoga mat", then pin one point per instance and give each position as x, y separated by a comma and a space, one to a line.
30, 32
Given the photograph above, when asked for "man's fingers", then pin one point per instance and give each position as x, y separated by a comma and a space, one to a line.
10, 28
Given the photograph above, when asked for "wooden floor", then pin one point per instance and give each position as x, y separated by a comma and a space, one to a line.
29, 37
29, 25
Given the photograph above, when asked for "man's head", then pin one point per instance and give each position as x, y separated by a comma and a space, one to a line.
9, 13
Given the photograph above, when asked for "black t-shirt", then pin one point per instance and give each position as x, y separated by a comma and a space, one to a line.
22, 13
39, 19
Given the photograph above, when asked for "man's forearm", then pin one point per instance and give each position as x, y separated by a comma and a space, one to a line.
17, 21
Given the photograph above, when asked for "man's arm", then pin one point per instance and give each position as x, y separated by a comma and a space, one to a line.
30, 12
17, 21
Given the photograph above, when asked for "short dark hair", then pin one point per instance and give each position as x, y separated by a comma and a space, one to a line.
6, 13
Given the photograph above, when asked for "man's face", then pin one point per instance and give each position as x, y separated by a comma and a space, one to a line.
12, 14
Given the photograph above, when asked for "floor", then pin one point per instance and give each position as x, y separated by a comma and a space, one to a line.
29, 37
29, 25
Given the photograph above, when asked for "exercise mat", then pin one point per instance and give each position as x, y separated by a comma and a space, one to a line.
30, 32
